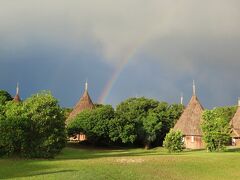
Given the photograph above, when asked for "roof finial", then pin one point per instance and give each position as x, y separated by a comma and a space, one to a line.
86, 85
239, 101
194, 88
181, 100
17, 89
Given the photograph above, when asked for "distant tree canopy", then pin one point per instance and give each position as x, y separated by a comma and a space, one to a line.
138, 121
33, 128
67, 111
4, 97
143, 121
227, 112
216, 128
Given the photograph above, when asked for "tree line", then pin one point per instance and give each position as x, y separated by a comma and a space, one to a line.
136, 121
35, 127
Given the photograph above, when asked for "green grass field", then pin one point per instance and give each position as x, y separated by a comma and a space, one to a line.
82, 163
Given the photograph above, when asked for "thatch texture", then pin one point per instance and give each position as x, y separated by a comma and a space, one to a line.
84, 103
235, 124
17, 98
189, 122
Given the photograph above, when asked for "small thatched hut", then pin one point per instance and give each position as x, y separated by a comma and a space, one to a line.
84, 103
17, 96
189, 123
235, 127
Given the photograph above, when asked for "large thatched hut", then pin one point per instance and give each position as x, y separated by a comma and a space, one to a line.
17, 98
189, 123
84, 103
235, 127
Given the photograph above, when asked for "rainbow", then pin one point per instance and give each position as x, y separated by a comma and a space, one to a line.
116, 73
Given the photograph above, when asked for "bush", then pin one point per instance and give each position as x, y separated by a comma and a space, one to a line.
34, 128
174, 141
216, 129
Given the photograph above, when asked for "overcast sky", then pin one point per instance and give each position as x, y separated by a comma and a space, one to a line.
57, 44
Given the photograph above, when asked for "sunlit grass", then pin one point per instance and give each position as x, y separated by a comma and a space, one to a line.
82, 163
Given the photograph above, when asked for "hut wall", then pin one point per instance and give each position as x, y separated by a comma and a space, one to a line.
236, 142
78, 137
193, 142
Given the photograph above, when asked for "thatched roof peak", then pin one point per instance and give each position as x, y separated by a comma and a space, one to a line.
17, 96
181, 99
190, 120
84, 103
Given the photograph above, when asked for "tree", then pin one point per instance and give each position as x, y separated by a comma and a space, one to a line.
13, 127
94, 124
34, 128
227, 112
66, 112
216, 129
48, 134
143, 121
174, 141
127, 126
168, 114
151, 126
4, 97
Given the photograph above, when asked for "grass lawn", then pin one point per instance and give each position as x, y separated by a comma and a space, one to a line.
82, 163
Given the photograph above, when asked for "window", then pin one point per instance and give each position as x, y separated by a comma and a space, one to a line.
192, 140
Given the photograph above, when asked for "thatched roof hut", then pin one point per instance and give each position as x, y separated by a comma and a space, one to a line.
84, 103
189, 122
235, 122
17, 96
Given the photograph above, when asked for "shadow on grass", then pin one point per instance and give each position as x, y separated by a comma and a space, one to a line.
11, 176
12, 168
89, 152
82, 152
233, 149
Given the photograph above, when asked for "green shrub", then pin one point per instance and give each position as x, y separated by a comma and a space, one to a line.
216, 129
174, 141
34, 128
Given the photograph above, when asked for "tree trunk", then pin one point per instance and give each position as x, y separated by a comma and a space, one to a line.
147, 146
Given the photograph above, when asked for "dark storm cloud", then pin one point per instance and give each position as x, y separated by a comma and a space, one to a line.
56, 68
58, 44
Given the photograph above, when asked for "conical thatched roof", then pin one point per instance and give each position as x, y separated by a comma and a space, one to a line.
17, 97
84, 103
189, 122
235, 123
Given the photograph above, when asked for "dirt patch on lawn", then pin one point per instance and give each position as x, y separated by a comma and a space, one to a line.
129, 160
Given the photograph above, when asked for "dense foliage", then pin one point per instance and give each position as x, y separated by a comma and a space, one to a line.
143, 121
94, 124
34, 128
127, 126
66, 112
216, 128
13, 128
174, 141
4, 97
137, 121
